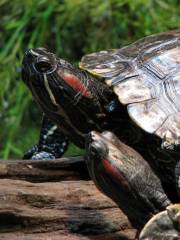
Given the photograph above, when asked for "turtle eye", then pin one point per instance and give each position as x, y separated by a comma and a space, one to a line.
43, 66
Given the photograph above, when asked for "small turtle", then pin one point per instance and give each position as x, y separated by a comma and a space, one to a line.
133, 92
123, 175
164, 225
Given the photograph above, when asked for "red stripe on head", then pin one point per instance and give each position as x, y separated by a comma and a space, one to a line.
76, 84
116, 175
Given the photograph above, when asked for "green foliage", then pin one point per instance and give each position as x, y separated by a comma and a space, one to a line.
71, 29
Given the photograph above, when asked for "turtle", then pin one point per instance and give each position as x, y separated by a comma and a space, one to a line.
132, 91
113, 167
122, 174
164, 225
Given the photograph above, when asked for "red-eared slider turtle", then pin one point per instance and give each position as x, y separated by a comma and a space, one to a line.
164, 225
123, 175
133, 91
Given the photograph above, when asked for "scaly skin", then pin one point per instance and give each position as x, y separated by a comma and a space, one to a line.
52, 143
123, 175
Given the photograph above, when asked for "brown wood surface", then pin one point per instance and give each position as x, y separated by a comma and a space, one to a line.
48, 200
44, 170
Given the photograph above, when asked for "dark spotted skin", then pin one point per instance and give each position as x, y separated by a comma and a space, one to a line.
52, 143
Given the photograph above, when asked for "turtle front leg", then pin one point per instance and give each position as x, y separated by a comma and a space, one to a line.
123, 175
52, 143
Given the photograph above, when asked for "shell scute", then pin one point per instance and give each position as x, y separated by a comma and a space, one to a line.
146, 77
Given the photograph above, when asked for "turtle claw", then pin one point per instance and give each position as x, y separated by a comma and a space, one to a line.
174, 214
31, 152
164, 225
170, 144
34, 154
43, 156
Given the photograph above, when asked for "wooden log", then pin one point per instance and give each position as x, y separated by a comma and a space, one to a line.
58, 235
52, 206
74, 209
72, 168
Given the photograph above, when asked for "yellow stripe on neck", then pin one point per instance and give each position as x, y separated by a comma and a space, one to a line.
49, 90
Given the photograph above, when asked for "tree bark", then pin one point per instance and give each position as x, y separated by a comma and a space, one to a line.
48, 200
73, 168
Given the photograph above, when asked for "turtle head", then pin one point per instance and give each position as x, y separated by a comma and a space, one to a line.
96, 151
103, 145
38, 61
69, 96
106, 166
96, 147
102, 150
38, 67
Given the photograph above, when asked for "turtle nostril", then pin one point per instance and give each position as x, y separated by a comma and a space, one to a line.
43, 66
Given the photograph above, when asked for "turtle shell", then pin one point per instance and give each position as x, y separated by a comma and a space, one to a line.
146, 77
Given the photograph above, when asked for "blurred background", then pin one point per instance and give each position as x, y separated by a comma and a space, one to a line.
70, 28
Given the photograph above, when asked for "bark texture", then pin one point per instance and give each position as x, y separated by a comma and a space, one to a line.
52, 200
